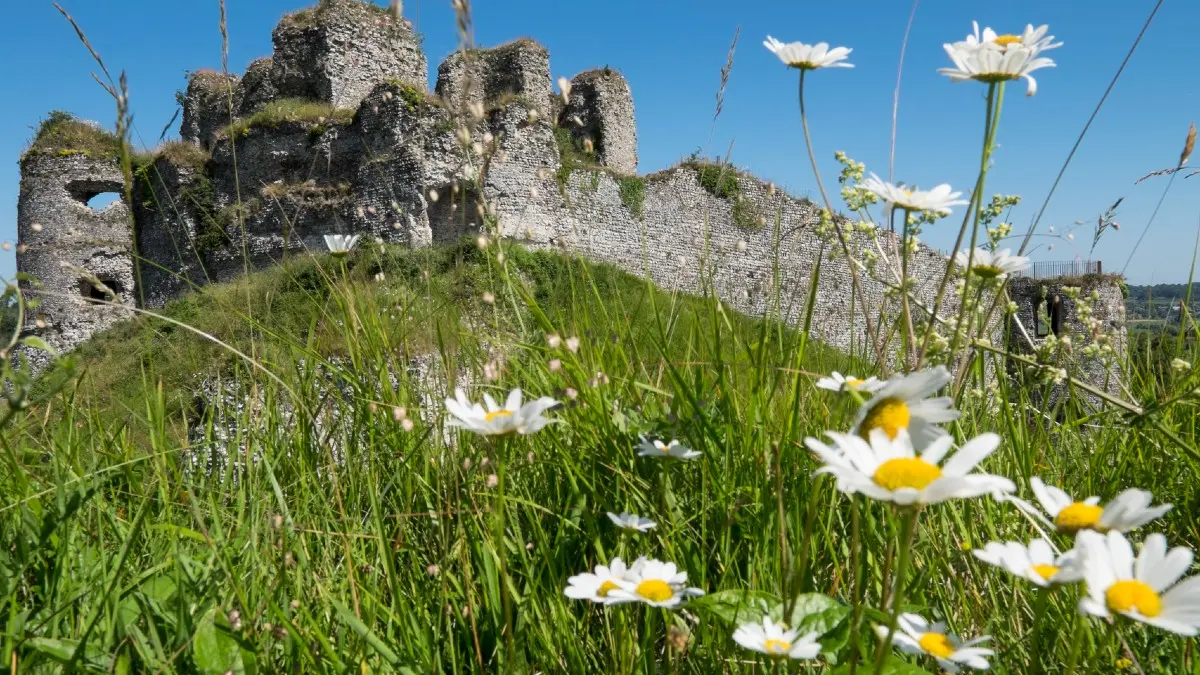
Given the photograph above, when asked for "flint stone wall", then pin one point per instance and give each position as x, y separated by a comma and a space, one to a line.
601, 110
207, 103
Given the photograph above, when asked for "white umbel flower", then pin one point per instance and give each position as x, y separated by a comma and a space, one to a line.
340, 244
771, 639
992, 58
890, 470
906, 403
655, 583
991, 265
1129, 510
1144, 590
493, 420
915, 635
1035, 562
657, 448
838, 382
808, 57
631, 521
939, 199
597, 586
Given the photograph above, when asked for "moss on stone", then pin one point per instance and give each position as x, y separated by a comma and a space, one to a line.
315, 15
274, 114
61, 134
572, 157
633, 193
182, 154
413, 99
721, 180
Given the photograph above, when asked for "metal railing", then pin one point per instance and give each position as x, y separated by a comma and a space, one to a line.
1067, 268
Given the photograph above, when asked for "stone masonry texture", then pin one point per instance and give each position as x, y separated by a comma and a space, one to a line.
404, 165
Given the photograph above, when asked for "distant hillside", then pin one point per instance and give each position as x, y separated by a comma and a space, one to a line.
1160, 302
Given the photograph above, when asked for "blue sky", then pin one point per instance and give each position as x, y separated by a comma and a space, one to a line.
672, 52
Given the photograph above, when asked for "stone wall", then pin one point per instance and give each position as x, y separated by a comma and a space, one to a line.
411, 168
1046, 313
207, 104
60, 235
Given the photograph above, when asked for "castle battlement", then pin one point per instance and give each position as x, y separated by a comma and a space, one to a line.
336, 133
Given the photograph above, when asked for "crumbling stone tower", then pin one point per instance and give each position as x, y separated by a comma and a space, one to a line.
66, 244
497, 76
206, 106
339, 50
601, 109
1089, 330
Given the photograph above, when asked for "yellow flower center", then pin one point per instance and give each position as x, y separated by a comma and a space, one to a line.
804, 65
777, 646
497, 413
1006, 40
906, 472
655, 590
1045, 571
987, 271
853, 382
1078, 516
1131, 595
891, 415
936, 644
605, 587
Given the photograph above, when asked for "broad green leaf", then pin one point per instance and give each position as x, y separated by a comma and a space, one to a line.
93, 660
735, 606
893, 666
813, 612
214, 649
37, 343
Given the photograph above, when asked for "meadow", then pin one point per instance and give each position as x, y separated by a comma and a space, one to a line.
276, 474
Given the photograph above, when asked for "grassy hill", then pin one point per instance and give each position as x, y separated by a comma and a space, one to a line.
345, 528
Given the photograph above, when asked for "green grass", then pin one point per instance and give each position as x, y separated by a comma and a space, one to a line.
315, 115
62, 135
392, 555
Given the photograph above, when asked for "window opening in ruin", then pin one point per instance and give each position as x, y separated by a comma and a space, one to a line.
102, 200
1056, 315
89, 291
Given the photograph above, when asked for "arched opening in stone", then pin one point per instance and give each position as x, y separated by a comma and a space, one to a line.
102, 200
1056, 315
91, 291
1041, 327
96, 194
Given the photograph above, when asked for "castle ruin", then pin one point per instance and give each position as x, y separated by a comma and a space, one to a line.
337, 133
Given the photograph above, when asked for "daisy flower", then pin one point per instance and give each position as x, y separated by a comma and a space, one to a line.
657, 448
1035, 562
890, 470
998, 58
771, 639
655, 583
838, 382
1128, 511
513, 418
938, 200
340, 244
915, 635
990, 265
1144, 590
808, 57
596, 587
903, 403
630, 521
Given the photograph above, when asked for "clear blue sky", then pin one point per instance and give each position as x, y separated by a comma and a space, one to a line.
672, 52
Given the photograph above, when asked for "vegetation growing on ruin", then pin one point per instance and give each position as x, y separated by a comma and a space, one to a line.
62, 134
721, 180
633, 193
316, 115
572, 157
314, 15
413, 99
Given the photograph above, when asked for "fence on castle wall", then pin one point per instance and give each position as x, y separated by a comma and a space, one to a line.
1065, 268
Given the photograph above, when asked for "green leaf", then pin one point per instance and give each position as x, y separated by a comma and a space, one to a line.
735, 606
214, 649
893, 666
37, 343
813, 613
92, 660
365, 633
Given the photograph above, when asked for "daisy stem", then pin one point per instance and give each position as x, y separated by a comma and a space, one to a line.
989, 129
856, 582
502, 553
1076, 644
908, 532
783, 546
909, 337
837, 227
988, 146
1039, 610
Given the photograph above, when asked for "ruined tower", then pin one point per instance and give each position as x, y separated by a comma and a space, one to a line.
601, 110
517, 70
339, 50
207, 103
66, 244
